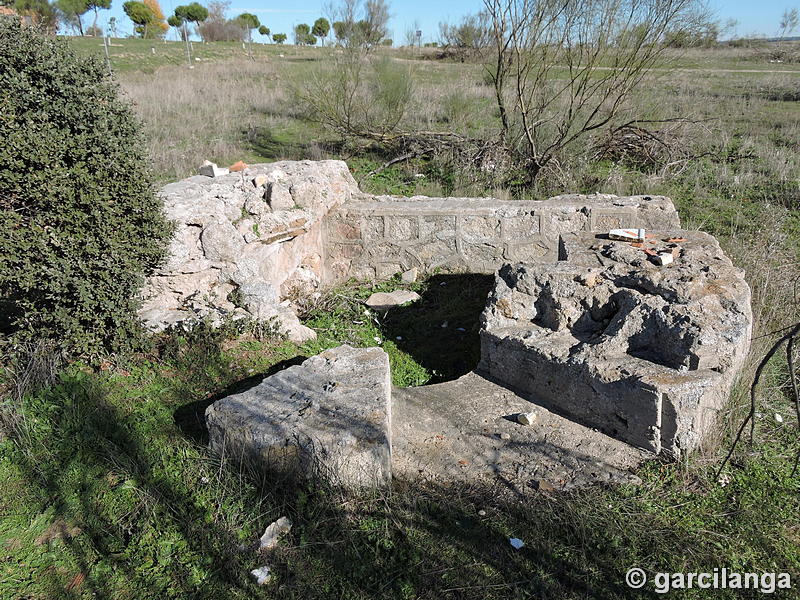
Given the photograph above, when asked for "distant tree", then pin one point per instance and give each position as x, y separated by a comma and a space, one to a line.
789, 22
341, 30
112, 26
140, 14
40, 12
217, 28
279, 38
387, 42
360, 25
191, 13
71, 13
248, 22
95, 5
321, 28
467, 37
179, 24
301, 34
264, 30
158, 28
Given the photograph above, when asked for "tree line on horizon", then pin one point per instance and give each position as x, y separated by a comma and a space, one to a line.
209, 22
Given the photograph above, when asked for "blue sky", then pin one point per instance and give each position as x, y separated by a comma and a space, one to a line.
754, 17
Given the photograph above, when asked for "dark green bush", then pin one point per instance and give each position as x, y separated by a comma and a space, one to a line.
80, 225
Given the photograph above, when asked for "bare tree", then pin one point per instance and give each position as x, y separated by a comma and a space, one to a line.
411, 34
789, 22
564, 68
359, 24
466, 38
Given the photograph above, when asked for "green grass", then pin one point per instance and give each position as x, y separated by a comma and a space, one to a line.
108, 489
133, 54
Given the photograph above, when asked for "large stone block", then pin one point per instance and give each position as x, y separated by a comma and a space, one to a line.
643, 352
473, 234
263, 226
329, 417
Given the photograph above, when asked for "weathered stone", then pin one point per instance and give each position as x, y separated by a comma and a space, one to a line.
410, 276
329, 417
465, 430
260, 299
273, 533
385, 300
279, 197
210, 169
289, 325
221, 242
262, 575
645, 353
472, 234
227, 232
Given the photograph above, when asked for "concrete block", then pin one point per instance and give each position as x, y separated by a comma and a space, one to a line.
329, 417
646, 353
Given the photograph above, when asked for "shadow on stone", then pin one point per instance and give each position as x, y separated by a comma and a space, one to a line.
190, 418
454, 300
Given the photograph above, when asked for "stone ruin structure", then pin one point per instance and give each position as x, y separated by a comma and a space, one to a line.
611, 355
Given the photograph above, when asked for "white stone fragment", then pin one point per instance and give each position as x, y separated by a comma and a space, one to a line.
528, 418
410, 276
383, 300
210, 169
627, 235
663, 258
273, 532
262, 575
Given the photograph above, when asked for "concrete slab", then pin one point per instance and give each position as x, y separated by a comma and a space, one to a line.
329, 417
467, 430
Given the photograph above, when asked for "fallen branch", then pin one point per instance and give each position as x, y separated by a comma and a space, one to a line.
751, 415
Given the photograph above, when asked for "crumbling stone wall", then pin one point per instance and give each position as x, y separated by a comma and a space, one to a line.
377, 236
646, 353
248, 243
245, 243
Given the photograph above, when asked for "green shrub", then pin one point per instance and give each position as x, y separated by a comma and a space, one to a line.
80, 225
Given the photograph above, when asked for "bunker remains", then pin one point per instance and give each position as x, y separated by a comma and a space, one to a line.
640, 340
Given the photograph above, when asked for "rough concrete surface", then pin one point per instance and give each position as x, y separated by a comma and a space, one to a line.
373, 237
329, 417
644, 352
245, 244
466, 430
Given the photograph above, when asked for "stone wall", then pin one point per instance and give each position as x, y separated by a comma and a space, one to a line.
377, 236
246, 242
643, 351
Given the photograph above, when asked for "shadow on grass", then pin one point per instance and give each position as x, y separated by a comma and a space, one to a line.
123, 477
190, 418
95, 469
440, 331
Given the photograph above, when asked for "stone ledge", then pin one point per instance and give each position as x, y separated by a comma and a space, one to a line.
330, 417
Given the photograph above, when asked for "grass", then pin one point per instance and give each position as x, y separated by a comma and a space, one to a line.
108, 490
106, 486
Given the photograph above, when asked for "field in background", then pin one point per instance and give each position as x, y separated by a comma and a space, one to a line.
111, 493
